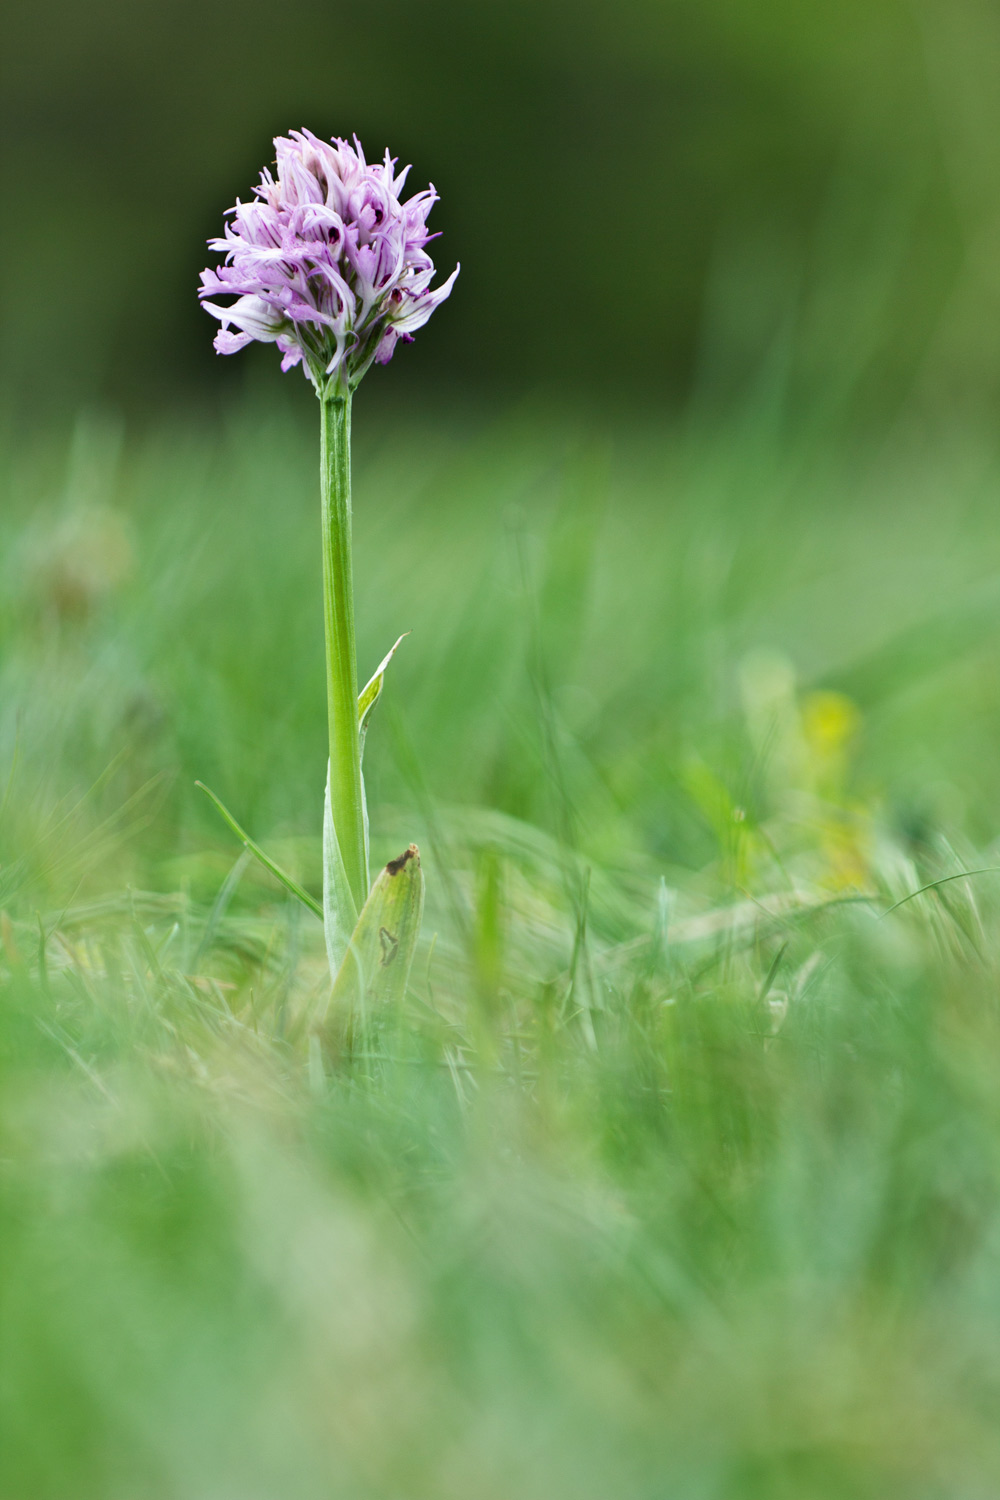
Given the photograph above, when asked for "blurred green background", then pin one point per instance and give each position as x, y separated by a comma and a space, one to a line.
648, 198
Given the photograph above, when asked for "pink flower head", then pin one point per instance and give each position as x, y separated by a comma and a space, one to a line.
328, 263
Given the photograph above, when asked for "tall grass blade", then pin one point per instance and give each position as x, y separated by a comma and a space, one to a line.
933, 885
258, 853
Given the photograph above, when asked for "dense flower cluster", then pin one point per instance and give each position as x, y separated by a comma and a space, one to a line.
328, 262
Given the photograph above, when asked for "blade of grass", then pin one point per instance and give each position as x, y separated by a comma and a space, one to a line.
220, 906
258, 853
933, 885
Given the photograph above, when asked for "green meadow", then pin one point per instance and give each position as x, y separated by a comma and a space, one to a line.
677, 1176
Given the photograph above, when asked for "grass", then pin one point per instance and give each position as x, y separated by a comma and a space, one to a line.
678, 1174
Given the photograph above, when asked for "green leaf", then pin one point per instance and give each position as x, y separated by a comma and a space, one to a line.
340, 914
367, 699
371, 692
258, 853
376, 968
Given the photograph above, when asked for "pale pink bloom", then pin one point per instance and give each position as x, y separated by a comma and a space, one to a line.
328, 262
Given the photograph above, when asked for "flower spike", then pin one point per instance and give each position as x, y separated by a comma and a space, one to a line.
328, 262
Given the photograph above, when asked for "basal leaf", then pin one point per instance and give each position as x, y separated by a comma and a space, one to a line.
376, 967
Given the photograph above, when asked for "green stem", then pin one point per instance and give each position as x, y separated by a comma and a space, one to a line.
346, 796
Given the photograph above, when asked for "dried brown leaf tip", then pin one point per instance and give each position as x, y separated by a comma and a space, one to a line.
395, 865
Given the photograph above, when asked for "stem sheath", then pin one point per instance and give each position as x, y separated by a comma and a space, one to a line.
346, 794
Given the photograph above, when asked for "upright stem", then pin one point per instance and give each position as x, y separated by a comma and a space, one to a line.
346, 796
